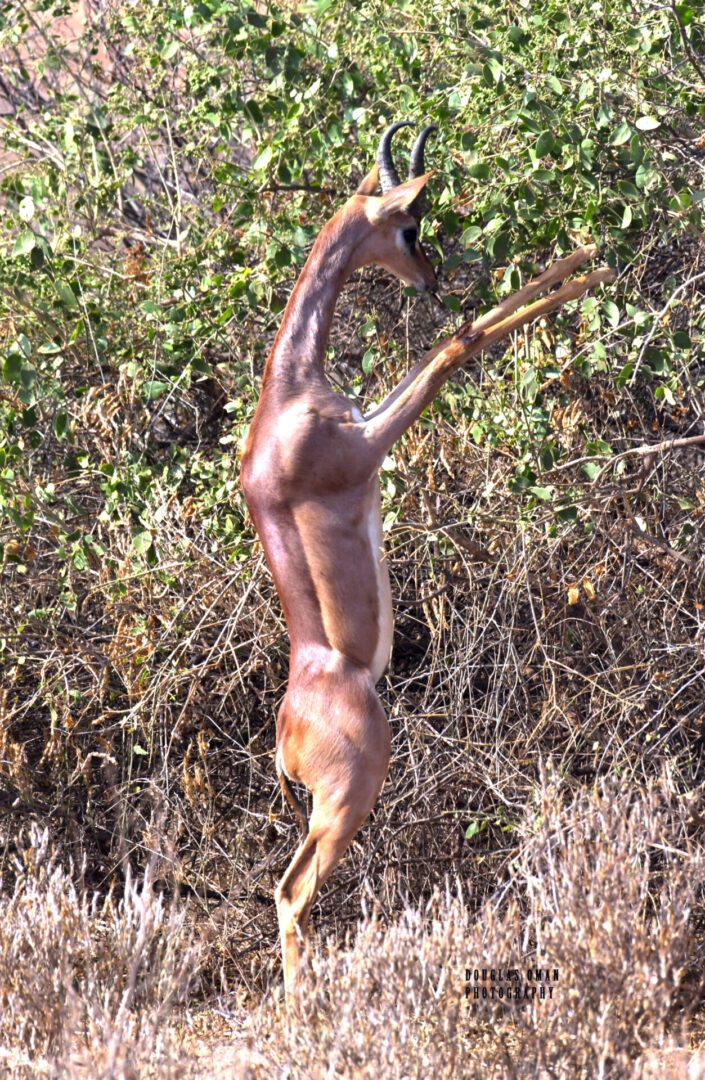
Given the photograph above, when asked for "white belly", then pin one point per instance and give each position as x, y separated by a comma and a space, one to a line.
385, 619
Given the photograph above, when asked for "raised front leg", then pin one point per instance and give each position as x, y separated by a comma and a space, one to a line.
417, 390
556, 272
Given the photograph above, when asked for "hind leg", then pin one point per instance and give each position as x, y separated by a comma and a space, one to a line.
344, 765
331, 830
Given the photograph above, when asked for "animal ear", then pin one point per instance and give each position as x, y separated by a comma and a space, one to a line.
399, 198
368, 184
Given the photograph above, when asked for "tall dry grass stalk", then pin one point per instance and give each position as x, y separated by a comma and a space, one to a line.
599, 899
602, 899
86, 984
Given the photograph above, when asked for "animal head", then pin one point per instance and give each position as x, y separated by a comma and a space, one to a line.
394, 217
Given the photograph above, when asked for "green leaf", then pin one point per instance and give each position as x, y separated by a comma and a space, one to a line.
12, 368
479, 171
529, 122
685, 13
66, 293
598, 446
647, 123
553, 84
471, 235
492, 72
253, 110
24, 243
153, 389
544, 144
368, 360
27, 208
611, 312
475, 827
200, 364
498, 245
27, 377
664, 393
450, 221
646, 176
142, 541
61, 423
262, 160
282, 257
529, 383
451, 301
139, 750
170, 49
621, 134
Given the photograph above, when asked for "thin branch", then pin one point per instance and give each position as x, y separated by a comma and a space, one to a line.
646, 451
659, 315
686, 44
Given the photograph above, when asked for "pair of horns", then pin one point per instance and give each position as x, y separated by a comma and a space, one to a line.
388, 175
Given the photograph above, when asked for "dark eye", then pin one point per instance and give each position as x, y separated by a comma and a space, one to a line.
409, 236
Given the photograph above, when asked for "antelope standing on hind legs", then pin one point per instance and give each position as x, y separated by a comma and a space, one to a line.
309, 476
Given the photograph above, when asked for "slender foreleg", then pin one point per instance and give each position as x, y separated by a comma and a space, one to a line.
389, 422
556, 272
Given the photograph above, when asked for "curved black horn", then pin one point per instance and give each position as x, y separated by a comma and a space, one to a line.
388, 175
417, 168
416, 163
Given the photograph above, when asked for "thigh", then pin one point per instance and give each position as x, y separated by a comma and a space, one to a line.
332, 731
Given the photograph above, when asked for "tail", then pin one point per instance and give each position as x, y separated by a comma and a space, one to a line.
292, 798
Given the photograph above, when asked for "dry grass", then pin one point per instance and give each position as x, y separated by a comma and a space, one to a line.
88, 986
86, 982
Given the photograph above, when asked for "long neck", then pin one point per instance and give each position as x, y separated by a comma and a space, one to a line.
298, 352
